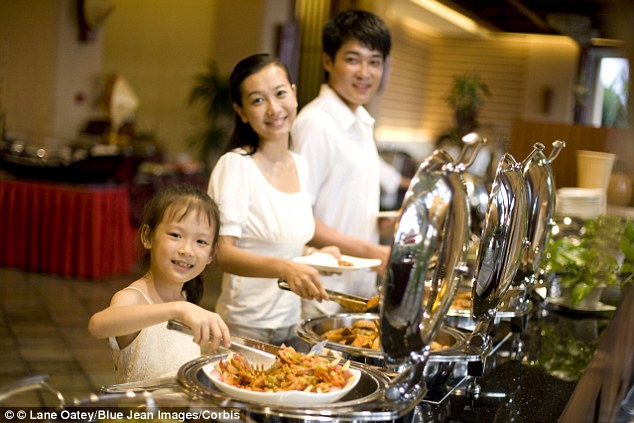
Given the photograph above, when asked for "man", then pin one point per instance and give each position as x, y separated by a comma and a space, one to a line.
335, 133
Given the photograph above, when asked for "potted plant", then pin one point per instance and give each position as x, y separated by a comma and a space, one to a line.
601, 255
466, 96
211, 89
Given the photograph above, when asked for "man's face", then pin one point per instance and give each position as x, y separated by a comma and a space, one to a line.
355, 73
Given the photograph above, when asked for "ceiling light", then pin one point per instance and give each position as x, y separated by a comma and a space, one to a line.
450, 15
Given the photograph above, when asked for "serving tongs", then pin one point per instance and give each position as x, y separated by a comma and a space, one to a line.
254, 351
347, 301
148, 385
261, 354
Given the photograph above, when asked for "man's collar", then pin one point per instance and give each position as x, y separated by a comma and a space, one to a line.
343, 114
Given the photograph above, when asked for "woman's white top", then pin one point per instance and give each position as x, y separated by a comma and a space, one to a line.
156, 351
266, 222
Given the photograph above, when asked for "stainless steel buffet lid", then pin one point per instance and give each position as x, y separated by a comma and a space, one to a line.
502, 241
541, 197
428, 248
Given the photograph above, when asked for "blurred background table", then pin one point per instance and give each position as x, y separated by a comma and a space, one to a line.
66, 229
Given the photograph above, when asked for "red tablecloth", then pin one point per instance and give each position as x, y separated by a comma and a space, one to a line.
70, 230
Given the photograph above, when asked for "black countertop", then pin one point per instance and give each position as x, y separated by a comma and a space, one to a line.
573, 367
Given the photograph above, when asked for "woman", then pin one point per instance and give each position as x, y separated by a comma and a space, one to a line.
266, 214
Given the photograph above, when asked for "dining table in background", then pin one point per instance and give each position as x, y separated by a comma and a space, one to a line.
66, 229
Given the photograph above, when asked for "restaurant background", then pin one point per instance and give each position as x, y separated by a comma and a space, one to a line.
52, 81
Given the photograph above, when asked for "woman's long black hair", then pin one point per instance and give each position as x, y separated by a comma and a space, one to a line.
243, 134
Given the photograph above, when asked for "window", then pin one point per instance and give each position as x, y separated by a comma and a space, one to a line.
608, 81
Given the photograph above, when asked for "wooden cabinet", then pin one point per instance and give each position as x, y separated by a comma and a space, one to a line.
525, 134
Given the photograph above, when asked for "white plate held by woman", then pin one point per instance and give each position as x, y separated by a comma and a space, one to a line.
329, 263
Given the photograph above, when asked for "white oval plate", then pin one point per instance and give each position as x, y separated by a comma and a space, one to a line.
389, 214
328, 262
282, 398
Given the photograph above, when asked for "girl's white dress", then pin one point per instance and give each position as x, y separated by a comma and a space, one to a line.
267, 222
157, 351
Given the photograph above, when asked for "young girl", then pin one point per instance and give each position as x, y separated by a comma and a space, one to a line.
179, 231
260, 187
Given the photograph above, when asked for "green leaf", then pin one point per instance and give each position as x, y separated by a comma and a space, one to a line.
579, 292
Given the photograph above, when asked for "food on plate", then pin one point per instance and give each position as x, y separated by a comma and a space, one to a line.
364, 334
344, 263
292, 371
462, 301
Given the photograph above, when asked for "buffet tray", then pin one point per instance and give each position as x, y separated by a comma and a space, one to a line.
366, 402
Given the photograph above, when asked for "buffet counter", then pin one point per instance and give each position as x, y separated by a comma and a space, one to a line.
66, 229
573, 367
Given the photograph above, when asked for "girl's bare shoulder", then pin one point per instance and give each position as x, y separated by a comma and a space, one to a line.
135, 293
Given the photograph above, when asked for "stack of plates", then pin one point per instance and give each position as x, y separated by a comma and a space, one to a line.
581, 202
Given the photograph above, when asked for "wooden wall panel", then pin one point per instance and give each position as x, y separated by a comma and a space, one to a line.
422, 71
578, 137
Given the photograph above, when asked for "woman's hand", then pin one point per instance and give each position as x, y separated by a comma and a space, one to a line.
381, 252
304, 281
207, 326
333, 250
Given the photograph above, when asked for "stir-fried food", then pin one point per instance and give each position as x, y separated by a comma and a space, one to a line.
292, 371
462, 301
364, 334
344, 263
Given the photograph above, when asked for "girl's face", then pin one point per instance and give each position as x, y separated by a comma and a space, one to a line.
180, 249
269, 103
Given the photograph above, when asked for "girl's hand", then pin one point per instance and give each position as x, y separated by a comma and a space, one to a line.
304, 281
207, 326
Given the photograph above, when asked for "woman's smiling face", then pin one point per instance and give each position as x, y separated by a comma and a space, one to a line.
269, 103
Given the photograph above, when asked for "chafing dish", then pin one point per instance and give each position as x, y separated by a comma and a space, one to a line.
521, 248
440, 364
513, 304
48, 404
427, 258
366, 402
498, 258
541, 198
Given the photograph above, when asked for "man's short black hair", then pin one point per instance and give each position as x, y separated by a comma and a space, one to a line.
361, 25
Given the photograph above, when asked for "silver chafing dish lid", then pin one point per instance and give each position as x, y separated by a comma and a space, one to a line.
541, 198
428, 250
502, 241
